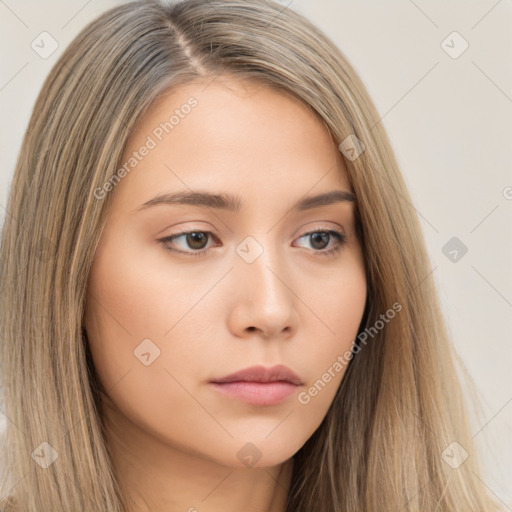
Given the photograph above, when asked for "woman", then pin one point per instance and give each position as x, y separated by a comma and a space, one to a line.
215, 293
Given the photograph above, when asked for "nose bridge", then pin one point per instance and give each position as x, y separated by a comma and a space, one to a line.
264, 283
260, 264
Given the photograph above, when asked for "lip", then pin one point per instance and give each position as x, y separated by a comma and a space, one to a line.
259, 385
262, 374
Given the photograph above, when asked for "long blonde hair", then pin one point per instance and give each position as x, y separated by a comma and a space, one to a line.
399, 405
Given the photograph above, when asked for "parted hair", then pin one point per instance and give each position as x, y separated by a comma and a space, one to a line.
400, 403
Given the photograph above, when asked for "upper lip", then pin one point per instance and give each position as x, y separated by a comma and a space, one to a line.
262, 374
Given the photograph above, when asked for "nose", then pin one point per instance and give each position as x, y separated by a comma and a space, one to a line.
263, 300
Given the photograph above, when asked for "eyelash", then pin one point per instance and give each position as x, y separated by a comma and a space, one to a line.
341, 241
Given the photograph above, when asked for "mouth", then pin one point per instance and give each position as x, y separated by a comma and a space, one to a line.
258, 385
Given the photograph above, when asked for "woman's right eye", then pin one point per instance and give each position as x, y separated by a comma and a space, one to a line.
195, 241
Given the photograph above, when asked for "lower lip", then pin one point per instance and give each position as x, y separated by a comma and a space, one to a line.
257, 393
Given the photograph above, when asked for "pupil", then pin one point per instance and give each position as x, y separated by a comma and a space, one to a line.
195, 237
320, 237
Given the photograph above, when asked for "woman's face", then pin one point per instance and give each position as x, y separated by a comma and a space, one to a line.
278, 281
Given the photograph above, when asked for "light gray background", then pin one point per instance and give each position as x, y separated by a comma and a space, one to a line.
450, 122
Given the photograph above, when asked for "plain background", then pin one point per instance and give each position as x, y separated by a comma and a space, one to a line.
450, 123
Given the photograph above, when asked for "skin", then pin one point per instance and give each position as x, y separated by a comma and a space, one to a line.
174, 438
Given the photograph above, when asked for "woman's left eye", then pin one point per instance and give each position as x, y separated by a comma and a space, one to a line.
323, 237
196, 241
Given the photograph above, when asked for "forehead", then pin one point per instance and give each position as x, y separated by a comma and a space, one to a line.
236, 135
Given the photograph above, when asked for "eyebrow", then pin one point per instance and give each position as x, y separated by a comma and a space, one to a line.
234, 204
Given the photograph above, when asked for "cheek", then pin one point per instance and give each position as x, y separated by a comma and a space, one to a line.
132, 294
140, 319
128, 311
125, 305
340, 310
340, 301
